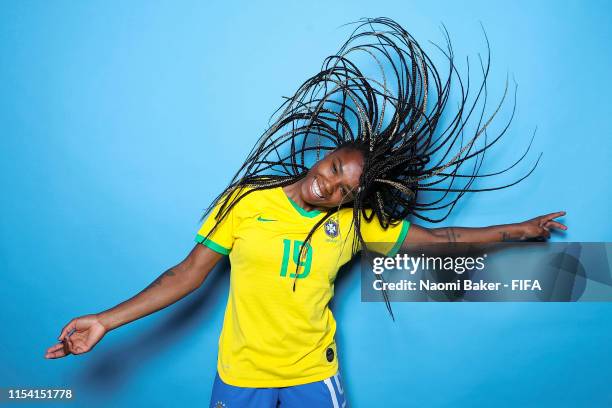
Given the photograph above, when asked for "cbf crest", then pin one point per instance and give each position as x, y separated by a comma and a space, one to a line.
331, 227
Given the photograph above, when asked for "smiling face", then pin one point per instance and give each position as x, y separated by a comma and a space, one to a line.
333, 179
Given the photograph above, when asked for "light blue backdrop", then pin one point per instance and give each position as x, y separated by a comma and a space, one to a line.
120, 121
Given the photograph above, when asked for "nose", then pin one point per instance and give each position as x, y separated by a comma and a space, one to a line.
334, 183
328, 184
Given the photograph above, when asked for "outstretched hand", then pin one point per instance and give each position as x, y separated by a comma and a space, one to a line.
540, 227
78, 337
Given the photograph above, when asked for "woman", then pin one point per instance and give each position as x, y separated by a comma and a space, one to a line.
330, 177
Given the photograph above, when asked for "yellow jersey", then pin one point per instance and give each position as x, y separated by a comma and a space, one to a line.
274, 336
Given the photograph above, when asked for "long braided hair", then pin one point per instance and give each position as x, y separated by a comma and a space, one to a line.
393, 117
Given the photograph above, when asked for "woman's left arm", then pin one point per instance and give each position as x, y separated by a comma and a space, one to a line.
535, 228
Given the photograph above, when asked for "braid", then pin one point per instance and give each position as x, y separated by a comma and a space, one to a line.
393, 118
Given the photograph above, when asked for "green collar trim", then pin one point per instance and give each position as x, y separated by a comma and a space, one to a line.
303, 212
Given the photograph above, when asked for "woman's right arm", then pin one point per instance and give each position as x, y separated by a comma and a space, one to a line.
172, 285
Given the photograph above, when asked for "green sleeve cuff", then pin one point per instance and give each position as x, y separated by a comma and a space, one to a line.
212, 245
400, 239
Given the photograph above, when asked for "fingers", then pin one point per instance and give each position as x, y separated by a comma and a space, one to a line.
70, 342
555, 224
55, 354
74, 347
548, 225
68, 328
546, 222
554, 215
77, 344
542, 233
54, 348
56, 351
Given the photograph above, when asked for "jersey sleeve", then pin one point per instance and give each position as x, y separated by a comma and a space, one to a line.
385, 241
222, 238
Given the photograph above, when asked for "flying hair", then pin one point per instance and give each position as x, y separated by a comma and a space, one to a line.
382, 95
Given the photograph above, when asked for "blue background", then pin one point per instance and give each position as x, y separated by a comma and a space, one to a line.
122, 120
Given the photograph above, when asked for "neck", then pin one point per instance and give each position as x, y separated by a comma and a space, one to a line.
293, 191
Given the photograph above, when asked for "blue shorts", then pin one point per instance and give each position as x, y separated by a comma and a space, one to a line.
327, 393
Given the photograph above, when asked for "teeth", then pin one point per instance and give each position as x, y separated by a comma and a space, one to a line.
316, 189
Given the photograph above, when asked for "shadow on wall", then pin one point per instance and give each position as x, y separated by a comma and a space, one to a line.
106, 372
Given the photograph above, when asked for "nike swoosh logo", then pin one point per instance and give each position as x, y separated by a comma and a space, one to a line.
260, 218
